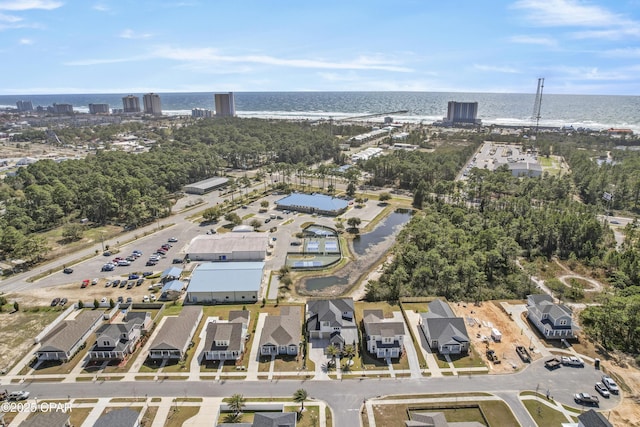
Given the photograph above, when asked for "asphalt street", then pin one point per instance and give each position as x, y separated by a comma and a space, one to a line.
346, 397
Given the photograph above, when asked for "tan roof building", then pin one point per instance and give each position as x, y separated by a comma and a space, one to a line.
66, 338
281, 334
229, 247
174, 337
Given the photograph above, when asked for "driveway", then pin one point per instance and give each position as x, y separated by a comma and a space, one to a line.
409, 348
316, 353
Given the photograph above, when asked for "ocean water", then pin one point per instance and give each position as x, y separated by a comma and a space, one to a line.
590, 111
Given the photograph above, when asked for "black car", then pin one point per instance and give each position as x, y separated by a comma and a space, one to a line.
55, 302
131, 284
123, 283
120, 299
147, 274
67, 270
116, 283
139, 281
177, 261
150, 263
267, 221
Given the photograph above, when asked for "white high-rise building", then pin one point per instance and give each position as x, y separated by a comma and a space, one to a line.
225, 104
131, 104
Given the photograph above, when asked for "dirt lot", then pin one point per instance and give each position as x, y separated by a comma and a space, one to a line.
490, 315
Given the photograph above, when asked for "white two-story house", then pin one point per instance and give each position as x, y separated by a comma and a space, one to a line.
333, 320
225, 340
116, 341
385, 337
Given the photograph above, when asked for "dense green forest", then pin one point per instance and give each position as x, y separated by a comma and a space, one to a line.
114, 186
252, 143
464, 251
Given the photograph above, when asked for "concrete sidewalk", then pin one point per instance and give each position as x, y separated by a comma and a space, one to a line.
432, 364
254, 361
208, 413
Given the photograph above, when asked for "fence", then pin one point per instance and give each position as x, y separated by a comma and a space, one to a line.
53, 324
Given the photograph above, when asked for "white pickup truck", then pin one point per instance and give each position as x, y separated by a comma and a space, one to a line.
572, 361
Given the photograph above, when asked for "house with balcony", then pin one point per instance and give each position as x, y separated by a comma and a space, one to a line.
115, 341
332, 320
225, 339
384, 337
552, 320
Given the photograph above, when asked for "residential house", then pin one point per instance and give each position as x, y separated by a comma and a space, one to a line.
174, 337
119, 417
444, 332
436, 419
268, 419
333, 320
385, 337
67, 338
281, 334
116, 341
52, 418
225, 340
552, 320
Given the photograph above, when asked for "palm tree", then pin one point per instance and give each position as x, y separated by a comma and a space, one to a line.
299, 397
333, 351
232, 418
349, 351
236, 403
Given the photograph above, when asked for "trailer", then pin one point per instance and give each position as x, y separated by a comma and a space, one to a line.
496, 335
523, 353
552, 364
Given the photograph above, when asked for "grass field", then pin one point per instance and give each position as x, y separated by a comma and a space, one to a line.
544, 415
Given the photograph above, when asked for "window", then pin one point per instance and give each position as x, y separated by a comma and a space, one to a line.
105, 343
242, 296
563, 322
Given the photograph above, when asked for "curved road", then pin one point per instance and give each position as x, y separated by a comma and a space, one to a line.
346, 397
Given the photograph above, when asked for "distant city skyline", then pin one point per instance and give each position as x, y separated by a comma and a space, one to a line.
107, 46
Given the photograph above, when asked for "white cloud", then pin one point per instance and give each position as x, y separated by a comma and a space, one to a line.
25, 41
496, 69
30, 4
9, 18
610, 34
130, 34
211, 55
88, 62
101, 7
543, 41
567, 13
627, 52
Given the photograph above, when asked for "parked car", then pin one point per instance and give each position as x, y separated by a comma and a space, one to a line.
107, 284
166, 246
267, 221
106, 253
152, 297
18, 395
67, 270
94, 281
131, 284
610, 384
138, 252
116, 283
151, 263
134, 276
123, 283
586, 399
147, 274
172, 240
145, 298
55, 302
602, 389
124, 263
120, 299
130, 258
108, 267
63, 302
129, 300
177, 261
85, 283
161, 251
572, 361
103, 300
140, 281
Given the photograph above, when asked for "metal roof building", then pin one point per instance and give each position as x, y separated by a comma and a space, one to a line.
225, 282
249, 246
202, 187
313, 203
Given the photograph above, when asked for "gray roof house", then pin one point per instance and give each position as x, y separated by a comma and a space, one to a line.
593, 418
116, 341
174, 337
47, 419
435, 419
552, 320
67, 338
268, 419
281, 334
333, 320
443, 331
119, 417
385, 337
225, 340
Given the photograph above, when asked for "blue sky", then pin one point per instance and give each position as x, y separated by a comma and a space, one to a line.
105, 46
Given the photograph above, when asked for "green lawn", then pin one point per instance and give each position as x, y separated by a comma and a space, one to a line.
179, 414
544, 415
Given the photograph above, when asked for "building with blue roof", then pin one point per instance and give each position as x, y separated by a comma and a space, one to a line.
218, 283
172, 290
313, 203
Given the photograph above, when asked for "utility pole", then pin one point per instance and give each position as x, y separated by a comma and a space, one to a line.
537, 105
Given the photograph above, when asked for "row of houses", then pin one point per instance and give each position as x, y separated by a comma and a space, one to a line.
331, 320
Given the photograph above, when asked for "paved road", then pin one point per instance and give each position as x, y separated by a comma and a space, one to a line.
346, 397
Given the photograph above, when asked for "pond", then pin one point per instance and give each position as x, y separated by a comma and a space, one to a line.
368, 248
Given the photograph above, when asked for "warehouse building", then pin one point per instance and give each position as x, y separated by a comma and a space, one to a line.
229, 282
205, 186
313, 203
250, 246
